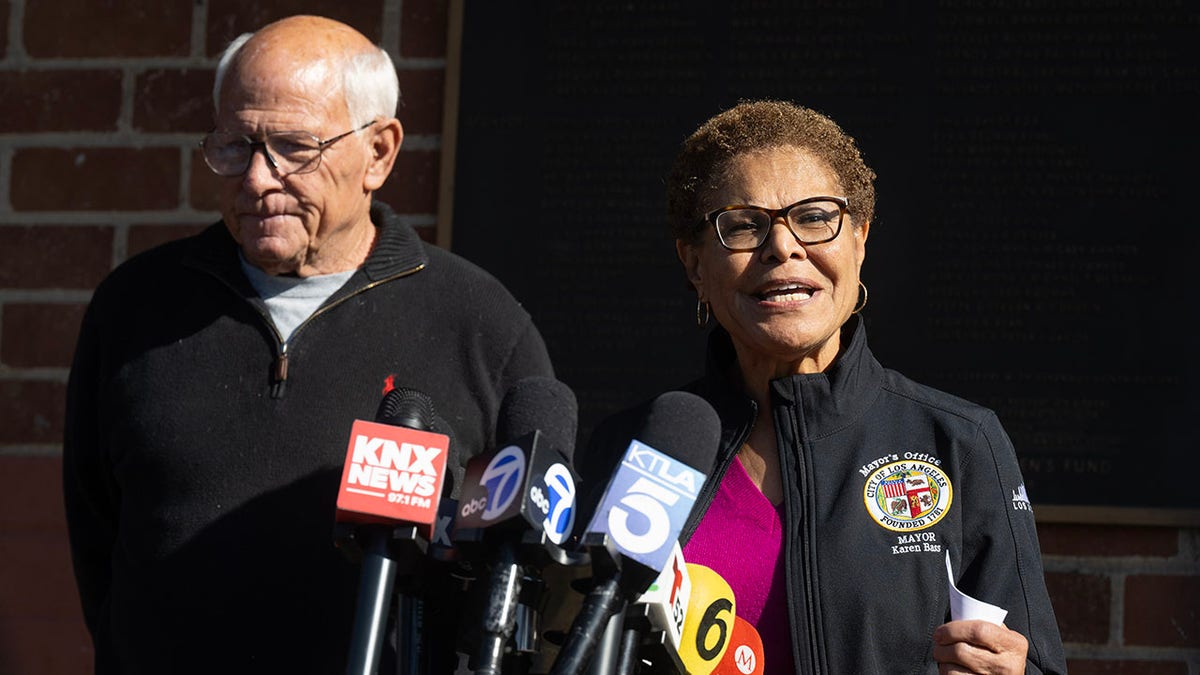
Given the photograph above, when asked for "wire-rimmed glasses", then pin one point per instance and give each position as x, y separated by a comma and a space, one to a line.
288, 152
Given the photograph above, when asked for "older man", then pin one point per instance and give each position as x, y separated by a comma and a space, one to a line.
216, 377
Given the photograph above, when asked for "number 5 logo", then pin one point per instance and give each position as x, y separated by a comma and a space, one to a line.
646, 498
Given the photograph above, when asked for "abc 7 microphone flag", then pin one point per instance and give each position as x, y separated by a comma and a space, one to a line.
530, 478
517, 481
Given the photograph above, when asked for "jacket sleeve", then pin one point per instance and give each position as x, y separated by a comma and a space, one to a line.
1001, 557
89, 491
527, 358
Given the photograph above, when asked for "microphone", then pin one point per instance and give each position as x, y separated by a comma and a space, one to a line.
745, 654
640, 515
530, 482
388, 497
708, 624
664, 604
522, 494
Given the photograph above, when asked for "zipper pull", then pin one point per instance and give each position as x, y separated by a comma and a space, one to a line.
281, 366
279, 373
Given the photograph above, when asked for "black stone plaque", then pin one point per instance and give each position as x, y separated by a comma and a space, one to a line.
1034, 241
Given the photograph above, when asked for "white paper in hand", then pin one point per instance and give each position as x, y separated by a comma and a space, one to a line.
963, 606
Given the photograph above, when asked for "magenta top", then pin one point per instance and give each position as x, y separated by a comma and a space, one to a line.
741, 538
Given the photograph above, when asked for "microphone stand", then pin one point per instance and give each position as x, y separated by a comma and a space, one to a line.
516, 586
387, 551
605, 660
642, 642
592, 641
625, 637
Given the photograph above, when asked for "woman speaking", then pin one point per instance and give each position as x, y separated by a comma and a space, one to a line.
840, 487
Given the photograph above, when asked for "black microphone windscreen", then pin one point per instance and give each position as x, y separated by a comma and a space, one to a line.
543, 404
404, 407
683, 426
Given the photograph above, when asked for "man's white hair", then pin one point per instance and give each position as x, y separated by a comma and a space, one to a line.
369, 82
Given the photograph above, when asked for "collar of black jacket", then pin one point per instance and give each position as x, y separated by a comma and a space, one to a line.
397, 250
828, 400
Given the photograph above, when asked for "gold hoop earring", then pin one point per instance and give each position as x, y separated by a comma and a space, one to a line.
860, 306
703, 313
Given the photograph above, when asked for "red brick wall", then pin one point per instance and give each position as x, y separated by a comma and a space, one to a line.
99, 118
1127, 597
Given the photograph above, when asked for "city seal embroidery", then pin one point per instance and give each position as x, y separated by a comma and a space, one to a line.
908, 495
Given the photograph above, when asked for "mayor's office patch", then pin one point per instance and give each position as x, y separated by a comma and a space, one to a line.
907, 496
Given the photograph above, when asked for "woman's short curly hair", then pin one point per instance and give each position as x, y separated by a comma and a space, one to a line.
759, 125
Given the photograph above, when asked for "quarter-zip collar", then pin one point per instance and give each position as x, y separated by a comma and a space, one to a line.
397, 251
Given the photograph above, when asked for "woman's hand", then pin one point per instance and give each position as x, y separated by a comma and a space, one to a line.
978, 647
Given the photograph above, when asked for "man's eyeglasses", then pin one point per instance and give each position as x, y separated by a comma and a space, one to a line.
288, 152
815, 220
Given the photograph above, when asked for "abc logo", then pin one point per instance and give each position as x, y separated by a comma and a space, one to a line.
503, 478
473, 506
560, 510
